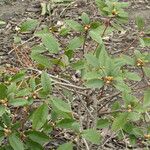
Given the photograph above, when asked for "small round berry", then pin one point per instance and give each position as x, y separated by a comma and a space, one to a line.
129, 106
26, 97
129, 110
114, 12
140, 62
7, 131
87, 27
108, 79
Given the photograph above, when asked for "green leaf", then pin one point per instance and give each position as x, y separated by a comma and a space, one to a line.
15, 142
40, 59
120, 121
92, 75
118, 63
138, 54
18, 77
139, 108
101, 4
94, 83
28, 25
18, 102
147, 57
33, 145
46, 82
122, 16
103, 123
49, 41
2, 22
6, 119
137, 131
133, 76
61, 105
103, 56
32, 83
38, 137
147, 71
38, 49
56, 113
85, 18
39, 116
95, 36
142, 42
2, 136
12, 88
122, 87
64, 31
3, 91
78, 65
2, 110
74, 25
101, 49
23, 92
92, 60
92, 135
146, 102
69, 53
145, 42
66, 146
75, 43
122, 4
129, 98
65, 123
95, 25
128, 59
140, 23
116, 106
134, 116
128, 127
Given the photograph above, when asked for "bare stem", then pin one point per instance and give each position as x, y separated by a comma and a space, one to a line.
104, 31
85, 37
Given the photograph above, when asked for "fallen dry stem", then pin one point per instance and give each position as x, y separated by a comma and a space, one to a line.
64, 83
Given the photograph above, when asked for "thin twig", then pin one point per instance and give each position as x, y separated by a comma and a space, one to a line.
148, 116
52, 76
64, 97
107, 140
127, 48
110, 112
61, 13
79, 96
124, 139
21, 44
86, 144
95, 104
108, 97
71, 85
74, 91
26, 40
55, 78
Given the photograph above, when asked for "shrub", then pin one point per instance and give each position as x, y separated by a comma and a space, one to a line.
35, 103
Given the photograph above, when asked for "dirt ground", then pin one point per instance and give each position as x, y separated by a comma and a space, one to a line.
13, 12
